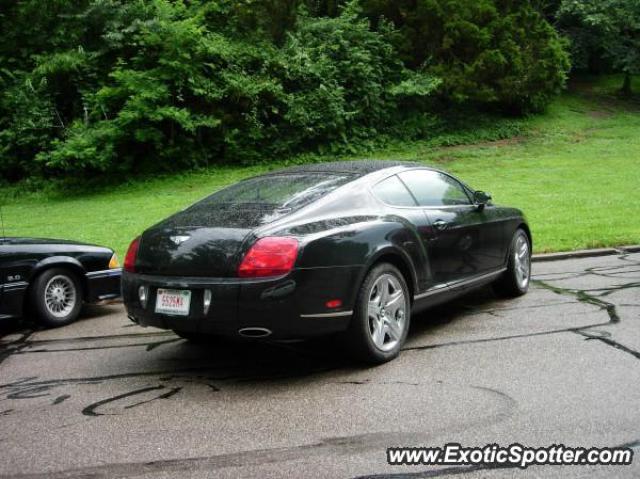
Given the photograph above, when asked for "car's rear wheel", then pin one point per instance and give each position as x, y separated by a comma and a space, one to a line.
515, 281
56, 296
380, 322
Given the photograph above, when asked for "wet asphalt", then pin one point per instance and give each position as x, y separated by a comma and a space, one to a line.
106, 398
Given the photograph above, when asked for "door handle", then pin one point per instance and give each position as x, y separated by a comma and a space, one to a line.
440, 225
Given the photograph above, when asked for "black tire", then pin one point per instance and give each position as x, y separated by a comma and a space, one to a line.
65, 297
511, 283
359, 337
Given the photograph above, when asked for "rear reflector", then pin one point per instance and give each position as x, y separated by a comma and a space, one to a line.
132, 254
143, 295
333, 304
271, 256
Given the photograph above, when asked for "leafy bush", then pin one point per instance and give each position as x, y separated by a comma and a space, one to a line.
494, 52
167, 89
130, 86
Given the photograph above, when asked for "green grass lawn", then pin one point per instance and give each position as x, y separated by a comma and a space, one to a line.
575, 171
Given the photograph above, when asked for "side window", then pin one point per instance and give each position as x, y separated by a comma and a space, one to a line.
392, 192
432, 188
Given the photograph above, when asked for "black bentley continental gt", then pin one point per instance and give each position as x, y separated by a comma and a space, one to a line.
52, 278
352, 248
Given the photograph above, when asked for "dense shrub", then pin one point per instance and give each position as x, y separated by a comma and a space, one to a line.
168, 87
494, 52
119, 86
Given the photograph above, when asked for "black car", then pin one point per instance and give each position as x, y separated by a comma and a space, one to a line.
52, 278
350, 247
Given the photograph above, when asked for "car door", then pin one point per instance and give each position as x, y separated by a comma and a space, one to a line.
460, 234
394, 193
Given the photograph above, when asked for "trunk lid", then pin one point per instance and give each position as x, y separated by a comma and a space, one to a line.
177, 248
206, 239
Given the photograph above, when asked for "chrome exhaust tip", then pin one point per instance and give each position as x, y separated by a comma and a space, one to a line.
254, 333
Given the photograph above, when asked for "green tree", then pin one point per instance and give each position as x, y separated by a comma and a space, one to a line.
119, 86
606, 30
496, 52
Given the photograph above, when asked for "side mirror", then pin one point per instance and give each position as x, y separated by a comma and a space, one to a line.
481, 199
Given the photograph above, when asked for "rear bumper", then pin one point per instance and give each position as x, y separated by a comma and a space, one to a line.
102, 285
293, 306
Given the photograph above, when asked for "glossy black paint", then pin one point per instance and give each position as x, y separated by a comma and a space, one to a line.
341, 236
23, 259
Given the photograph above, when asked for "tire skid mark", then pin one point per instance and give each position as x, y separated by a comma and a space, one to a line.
15, 347
149, 346
60, 399
152, 346
335, 446
211, 377
90, 410
166, 395
502, 338
99, 338
331, 446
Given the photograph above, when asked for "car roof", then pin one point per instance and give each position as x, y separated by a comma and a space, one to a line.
357, 168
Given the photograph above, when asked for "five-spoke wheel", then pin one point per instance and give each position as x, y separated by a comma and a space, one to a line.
515, 281
387, 312
381, 318
522, 260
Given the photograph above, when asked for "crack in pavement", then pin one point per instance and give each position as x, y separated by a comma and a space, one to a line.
584, 297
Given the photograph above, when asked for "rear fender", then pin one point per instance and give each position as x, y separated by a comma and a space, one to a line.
363, 245
399, 258
67, 262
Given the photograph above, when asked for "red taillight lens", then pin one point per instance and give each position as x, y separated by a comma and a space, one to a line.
132, 254
333, 303
271, 256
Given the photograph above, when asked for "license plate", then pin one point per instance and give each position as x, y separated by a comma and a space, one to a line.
173, 302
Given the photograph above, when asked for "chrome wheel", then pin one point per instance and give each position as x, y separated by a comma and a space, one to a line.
60, 296
387, 312
522, 261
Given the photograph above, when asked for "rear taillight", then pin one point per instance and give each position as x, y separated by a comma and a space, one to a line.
271, 256
132, 254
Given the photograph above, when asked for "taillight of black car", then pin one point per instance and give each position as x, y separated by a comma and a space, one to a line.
132, 254
270, 256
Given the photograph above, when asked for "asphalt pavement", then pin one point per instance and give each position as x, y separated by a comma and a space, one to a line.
107, 398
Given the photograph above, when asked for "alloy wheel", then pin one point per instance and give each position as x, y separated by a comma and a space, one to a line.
387, 310
60, 296
522, 261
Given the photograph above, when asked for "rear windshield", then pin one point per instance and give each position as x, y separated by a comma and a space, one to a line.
290, 191
267, 198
